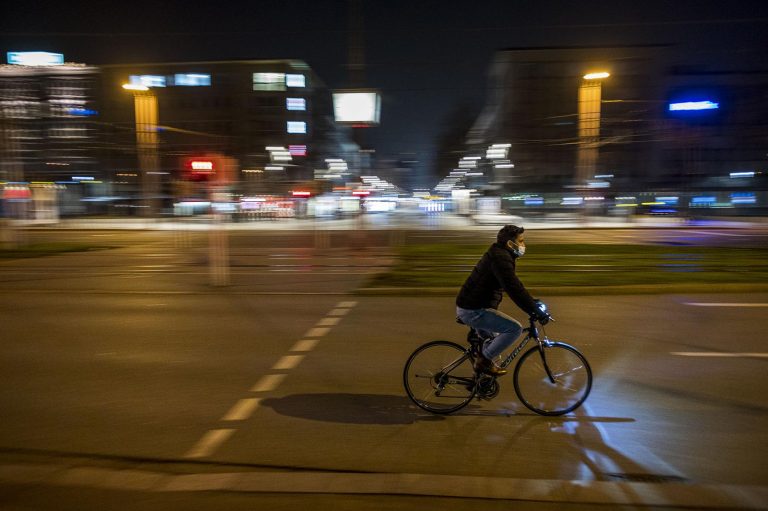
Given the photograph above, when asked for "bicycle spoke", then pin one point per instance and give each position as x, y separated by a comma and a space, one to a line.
451, 382
570, 383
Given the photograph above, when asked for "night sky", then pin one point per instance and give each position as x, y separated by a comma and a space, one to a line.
429, 58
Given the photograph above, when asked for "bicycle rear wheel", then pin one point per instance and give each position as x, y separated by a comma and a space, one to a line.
554, 379
440, 377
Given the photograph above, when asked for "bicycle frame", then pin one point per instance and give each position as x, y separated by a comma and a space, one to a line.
532, 333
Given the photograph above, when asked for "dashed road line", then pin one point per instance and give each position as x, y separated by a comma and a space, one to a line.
287, 362
268, 383
305, 345
317, 332
209, 443
244, 408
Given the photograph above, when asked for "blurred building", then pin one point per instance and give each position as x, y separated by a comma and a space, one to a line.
47, 120
646, 122
274, 118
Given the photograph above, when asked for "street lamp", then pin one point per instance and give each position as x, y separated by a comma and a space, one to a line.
145, 108
590, 92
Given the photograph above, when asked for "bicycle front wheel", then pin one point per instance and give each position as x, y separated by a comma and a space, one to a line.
440, 377
553, 379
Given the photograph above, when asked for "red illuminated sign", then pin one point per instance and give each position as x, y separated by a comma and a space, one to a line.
301, 194
201, 165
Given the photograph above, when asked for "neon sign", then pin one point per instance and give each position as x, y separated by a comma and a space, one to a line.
693, 105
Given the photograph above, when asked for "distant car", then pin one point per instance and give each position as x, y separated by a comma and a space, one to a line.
496, 219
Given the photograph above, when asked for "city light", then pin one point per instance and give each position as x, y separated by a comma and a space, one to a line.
192, 80
148, 80
295, 80
693, 105
358, 107
132, 86
296, 127
597, 76
35, 58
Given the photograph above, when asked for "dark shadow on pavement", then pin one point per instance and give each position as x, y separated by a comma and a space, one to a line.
351, 408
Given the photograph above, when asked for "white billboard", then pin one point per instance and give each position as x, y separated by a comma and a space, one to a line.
357, 107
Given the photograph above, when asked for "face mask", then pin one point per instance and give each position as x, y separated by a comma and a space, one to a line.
518, 250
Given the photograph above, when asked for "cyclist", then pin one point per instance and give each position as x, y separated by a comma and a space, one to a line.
478, 300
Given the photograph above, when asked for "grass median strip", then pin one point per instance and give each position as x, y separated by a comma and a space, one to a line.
584, 267
46, 249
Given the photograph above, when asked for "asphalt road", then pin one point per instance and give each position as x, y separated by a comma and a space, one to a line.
125, 365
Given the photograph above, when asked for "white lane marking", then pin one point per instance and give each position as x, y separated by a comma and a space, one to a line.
268, 383
305, 345
709, 233
287, 362
242, 409
328, 321
317, 332
338, 312
724, 304
718, 354
346, 305
210, 441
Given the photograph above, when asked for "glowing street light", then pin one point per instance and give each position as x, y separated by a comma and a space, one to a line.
136, 87
590, 98
597, 75
145, 108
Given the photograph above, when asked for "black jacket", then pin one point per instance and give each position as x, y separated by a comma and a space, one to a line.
494, 273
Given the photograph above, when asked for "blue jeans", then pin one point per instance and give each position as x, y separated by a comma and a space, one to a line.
505, 329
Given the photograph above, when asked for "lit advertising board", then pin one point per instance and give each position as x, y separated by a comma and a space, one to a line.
360, 107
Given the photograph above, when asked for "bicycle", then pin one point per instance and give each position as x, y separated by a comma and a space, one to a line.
551, 378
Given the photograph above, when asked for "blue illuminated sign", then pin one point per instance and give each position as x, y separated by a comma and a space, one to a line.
147, 80
84, 112
693, 105
35, 58
192, 80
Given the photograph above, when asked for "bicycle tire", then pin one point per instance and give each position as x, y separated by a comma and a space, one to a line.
535, 389
425, 382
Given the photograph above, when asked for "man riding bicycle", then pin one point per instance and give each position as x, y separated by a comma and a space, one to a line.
478, 300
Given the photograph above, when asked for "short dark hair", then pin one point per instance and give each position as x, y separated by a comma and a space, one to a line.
509, 232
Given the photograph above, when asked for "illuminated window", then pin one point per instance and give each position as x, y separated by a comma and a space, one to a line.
192, 80
295, 80
297, 127
147, 80
296, 104
269, 81
297, 150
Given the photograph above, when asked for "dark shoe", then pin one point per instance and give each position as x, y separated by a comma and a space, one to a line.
485, 365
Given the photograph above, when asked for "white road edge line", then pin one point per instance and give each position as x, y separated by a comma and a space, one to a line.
328, 322
210, 441
345, 305
718, 354
725, 304
338, 312
242, 410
